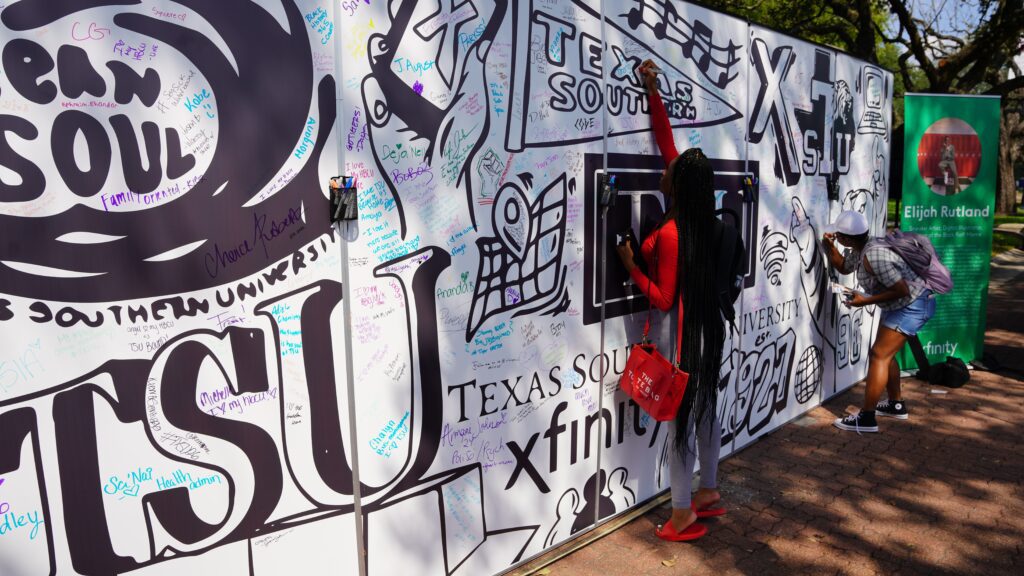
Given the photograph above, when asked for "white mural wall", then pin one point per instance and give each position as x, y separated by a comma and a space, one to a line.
198, 373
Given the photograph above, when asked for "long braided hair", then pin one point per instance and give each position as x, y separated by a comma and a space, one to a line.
693, 208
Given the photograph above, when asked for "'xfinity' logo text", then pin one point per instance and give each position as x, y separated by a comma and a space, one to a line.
947, 348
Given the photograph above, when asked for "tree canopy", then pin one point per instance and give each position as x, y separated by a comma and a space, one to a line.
935, 46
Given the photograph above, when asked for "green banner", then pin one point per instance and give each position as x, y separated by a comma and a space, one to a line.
949, 193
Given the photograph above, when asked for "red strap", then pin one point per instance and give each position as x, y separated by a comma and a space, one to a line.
647, 323
679, 315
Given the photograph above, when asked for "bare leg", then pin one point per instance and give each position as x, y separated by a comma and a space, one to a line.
706, 497
883, 354
893, 387
682, 518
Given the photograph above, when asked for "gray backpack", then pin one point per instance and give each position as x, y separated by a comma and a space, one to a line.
917, 251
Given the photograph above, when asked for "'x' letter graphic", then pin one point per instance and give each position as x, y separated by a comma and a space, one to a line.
771, 105
454, 16
624, 68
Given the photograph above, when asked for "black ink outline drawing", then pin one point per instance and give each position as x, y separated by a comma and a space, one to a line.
828, 138
514, 274
450, 21
397, 113
573, 513
772, 72
773, 252
879, 184
270, 83
640, 207
697, 104
872, 119
810, 359
838, 327
19, 425
89, 546
416, 275
828, 127
760, 394
717, 63
566, 511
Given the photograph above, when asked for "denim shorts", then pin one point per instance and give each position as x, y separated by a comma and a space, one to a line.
910, 319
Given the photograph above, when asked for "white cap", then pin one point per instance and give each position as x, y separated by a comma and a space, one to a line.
851, 223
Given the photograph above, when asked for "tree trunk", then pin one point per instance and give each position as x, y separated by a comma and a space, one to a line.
1006, 189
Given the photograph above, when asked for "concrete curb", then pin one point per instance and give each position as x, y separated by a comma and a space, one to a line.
1013, 256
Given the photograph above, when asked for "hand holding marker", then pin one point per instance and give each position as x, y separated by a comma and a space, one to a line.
848, 294
647, 72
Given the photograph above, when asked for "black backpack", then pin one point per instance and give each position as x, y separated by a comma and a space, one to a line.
729, 268
952, 373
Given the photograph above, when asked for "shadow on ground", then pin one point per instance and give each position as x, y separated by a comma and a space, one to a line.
938, 494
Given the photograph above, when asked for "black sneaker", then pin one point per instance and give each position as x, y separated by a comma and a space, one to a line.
892, 409
860, 422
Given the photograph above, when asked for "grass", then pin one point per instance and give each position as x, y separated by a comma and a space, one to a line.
1017, 218
1003, 241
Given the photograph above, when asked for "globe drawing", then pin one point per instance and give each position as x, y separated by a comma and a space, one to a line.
808, 374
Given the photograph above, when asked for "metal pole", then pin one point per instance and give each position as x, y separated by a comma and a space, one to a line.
604, 260
346, 300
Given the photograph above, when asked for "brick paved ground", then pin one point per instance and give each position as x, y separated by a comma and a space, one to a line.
938, 494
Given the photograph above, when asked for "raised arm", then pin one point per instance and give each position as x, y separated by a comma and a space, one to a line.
659, 116
837, 260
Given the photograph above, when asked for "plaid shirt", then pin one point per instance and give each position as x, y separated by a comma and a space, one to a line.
888, 269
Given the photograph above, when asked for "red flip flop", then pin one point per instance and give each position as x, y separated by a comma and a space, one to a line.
691, 532
708, 512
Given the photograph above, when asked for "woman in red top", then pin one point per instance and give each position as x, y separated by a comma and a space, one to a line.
685, 258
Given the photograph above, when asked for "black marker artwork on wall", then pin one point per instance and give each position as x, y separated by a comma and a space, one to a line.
814, 275
718, 63
640, 208
828, 127
564, 61
773, 255
760, 377
400, 113
208, 335
879, 180
157, 396
603, 495
809, 375
873, 88
267, 76
521, 266
839, 327
770, 108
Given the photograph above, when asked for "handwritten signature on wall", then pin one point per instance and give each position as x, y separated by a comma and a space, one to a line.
135, 480
11, 522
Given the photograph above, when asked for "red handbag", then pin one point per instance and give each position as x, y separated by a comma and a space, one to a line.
654, 383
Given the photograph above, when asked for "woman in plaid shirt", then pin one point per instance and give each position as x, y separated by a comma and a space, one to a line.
906, 305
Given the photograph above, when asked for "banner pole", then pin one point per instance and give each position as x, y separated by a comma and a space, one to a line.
346, 301
604, 264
